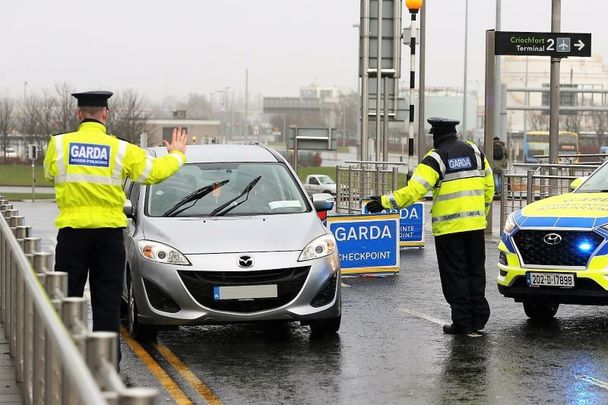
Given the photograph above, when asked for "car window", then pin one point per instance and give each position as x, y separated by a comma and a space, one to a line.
134, 195
276, 192
313, 180
326, 180
597, 181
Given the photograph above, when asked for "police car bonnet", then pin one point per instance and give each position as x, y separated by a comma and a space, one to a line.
93, 98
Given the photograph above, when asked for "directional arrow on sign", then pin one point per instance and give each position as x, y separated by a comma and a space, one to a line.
580, 45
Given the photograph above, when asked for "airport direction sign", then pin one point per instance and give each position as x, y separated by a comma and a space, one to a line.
555, 44
367, 243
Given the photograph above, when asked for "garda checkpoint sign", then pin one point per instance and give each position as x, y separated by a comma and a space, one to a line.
555, 44
367, 243
411, 224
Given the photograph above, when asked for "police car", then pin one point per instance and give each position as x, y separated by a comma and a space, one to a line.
555, 251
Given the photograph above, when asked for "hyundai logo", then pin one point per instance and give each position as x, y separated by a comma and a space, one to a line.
245, 261
552, 238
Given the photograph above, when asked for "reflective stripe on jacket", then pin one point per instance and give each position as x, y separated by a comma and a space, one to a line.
462, 183
88, 168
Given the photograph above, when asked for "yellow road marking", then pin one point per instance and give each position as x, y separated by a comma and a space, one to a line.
188, 375
171, 386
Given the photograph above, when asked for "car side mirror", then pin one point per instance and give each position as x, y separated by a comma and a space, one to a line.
323, 201
128, 209
577, 182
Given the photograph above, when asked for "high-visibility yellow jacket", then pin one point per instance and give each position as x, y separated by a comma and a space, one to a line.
88, 168
462, 184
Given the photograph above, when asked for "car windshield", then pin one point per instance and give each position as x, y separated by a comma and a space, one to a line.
597, 182
274, 193
326, 180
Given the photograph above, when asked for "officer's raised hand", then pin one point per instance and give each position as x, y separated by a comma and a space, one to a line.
178, 141
375, 205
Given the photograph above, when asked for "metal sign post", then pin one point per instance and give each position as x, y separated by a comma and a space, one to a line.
490, 98
32, 154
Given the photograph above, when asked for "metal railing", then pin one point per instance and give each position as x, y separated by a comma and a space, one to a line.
57, 359
540, 180
359, 180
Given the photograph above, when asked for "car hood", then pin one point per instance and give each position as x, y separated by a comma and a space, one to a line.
285, 232
572, 210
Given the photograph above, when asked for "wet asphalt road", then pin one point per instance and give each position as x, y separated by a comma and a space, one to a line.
390, 349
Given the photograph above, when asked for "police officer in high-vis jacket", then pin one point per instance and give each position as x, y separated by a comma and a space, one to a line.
462, 184
88, 168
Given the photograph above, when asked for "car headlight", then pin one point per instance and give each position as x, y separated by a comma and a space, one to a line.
161, 253
510, 223
320, 247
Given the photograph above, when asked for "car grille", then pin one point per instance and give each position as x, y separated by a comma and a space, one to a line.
575, 248
289, 283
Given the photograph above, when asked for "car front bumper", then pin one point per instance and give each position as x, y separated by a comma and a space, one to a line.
190, 311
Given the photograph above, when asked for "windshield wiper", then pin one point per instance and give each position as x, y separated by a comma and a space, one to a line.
231, 204
193, 197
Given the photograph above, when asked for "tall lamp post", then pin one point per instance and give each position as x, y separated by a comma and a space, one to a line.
464, 87
413, 6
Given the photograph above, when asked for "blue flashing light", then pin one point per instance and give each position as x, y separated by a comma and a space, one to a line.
585, 246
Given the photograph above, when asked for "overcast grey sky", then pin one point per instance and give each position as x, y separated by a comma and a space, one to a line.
181, 46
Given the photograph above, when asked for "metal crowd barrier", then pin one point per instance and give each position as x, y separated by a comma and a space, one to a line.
57, 359
358, 180
539, 181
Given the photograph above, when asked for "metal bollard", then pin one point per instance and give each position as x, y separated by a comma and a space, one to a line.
32, 245
73, 314
10, 213
138, 396
23, 232
101, 349
16, 220
43, 262
56, 285
38, 358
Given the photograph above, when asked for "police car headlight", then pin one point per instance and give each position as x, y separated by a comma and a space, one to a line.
161, 253
510, 223
320, 247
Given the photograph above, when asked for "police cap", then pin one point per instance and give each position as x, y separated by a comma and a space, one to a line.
441, 126
93, 98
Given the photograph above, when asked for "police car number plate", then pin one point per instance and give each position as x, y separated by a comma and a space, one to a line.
245, 292
550, 279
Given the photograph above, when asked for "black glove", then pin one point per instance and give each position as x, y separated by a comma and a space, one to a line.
375, 205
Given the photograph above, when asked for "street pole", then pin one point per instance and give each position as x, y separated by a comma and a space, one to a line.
490, 110
464, 87
379, 134
247, 105
497, 81
413, 6
421, 85
554, 89
364, 73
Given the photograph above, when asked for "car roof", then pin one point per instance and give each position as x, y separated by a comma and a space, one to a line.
223, 153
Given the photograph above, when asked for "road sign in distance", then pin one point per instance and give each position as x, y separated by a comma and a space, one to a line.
555, 44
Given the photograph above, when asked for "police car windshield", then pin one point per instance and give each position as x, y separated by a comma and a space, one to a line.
275, 193
597, 182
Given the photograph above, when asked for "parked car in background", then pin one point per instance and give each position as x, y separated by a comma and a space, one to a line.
215, 243
319, 183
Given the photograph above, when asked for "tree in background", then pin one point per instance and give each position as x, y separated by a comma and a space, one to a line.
6, 122
128, 116
537, 121
29, 119
599, 122
65, 112
196, 106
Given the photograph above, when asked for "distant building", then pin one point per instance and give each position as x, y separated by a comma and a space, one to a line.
199, 131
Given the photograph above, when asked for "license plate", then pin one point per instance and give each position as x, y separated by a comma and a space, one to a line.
550, 280
245, 292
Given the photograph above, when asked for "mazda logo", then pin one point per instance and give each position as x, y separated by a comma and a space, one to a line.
245, 261
552, 238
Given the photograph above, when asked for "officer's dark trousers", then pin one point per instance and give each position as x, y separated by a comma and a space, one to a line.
461, 258
100, 254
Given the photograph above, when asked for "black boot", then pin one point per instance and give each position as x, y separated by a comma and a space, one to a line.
455, 330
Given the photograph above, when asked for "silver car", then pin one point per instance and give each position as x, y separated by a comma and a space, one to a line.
231, 237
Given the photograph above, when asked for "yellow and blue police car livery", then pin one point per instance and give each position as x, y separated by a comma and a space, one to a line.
556, 251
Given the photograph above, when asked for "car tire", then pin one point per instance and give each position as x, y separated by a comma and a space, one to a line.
137, 330
324, 327
540, 310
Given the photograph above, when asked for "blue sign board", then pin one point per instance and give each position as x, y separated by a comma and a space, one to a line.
367, 243
411, 224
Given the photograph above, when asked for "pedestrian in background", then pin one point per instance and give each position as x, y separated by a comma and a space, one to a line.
88, 168
499, 155
460, 178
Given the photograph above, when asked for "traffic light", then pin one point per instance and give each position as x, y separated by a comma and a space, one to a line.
32, 152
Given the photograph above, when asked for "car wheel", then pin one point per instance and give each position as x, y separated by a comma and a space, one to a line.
540, 310
323, 327
137, 330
